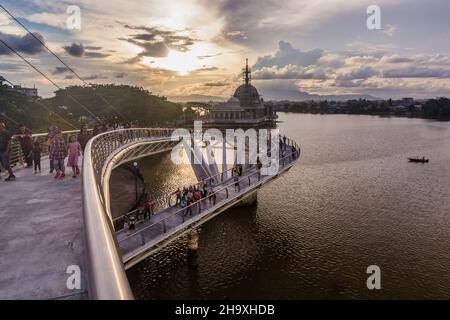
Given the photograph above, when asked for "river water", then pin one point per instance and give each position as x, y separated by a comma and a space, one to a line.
352, 201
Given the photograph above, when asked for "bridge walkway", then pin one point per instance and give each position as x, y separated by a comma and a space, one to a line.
42, 234
174, 219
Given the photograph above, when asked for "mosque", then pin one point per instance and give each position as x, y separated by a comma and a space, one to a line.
245, 108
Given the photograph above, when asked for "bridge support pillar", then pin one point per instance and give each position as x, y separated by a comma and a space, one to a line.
248, 201
193, 248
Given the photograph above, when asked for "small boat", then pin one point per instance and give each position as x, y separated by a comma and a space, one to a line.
420, 160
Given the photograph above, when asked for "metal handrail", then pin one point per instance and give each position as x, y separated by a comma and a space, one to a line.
16, 156
183, 210
166, 200
107, 278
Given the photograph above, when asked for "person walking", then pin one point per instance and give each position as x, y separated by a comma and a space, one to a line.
26, 144
211, 192
147, 209
258, 164
5, 149
74, 148
236, 179
178, 195
37, 157
48, 144
83, 137
59, 152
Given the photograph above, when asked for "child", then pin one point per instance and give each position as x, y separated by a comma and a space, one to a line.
131, 225
37, 157
126, 221
59, 152
74, 151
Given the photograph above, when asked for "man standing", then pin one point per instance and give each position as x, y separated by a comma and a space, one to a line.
26, 143
5, 145
83, 137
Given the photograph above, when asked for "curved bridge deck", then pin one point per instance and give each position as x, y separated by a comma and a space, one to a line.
171, 222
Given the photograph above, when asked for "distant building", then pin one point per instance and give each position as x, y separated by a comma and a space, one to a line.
31, 92
407, 102
244, 108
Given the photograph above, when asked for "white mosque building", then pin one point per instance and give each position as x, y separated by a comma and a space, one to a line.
244, 108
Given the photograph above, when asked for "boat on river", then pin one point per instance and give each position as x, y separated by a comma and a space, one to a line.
420, 160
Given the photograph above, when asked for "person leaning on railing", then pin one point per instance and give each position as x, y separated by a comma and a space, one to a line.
5, 149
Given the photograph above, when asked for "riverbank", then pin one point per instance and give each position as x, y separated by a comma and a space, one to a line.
378, 114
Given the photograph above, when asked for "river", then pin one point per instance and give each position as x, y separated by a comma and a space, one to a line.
352, 201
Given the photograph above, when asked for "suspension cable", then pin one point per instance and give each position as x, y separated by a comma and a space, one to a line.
50, 80
60, 60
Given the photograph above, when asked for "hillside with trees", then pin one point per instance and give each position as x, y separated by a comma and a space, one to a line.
81, 104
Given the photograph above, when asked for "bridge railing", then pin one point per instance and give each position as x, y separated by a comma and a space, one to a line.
167, 201
199, 206
107, 278
16, 156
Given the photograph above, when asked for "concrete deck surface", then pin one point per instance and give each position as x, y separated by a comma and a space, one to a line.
42, 234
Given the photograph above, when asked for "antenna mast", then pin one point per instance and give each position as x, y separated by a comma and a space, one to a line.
247, 73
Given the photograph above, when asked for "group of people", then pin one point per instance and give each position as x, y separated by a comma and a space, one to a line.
189, 195
59, 149
108, 126
55, 145
185, 198
130, 220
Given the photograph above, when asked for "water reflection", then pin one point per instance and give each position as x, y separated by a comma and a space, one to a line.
352, 201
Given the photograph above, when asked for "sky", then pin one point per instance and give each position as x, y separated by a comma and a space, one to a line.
186, 47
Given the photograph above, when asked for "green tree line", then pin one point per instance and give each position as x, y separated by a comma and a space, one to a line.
109, 103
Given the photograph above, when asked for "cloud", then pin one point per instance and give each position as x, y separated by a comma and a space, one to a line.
288, 55
86, 78
216, 84
24, 44
12, 67
93, 48
91, 54
94, 77
209, 56
60, 70
206, 69
156, 42
75, 50
389, 30
57, 20
397, 59
289, 72
414, 72
4, 20
359, 73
